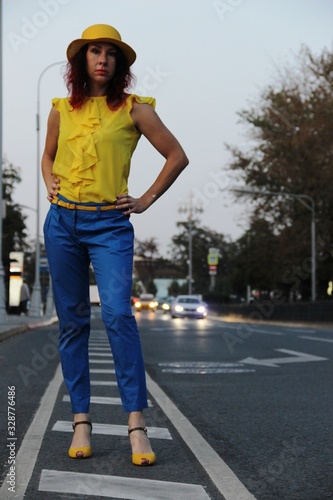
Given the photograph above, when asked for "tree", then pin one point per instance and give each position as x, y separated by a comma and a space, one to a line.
253, 260
291, 151
148, 249
13, 224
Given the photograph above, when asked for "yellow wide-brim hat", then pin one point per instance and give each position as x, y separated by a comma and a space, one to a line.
101, 33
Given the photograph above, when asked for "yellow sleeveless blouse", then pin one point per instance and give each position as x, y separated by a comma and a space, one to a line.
95, 147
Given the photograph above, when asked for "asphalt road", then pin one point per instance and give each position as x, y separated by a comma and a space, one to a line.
259, 399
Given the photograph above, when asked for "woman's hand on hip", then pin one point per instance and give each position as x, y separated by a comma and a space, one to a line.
53, 189
129, 205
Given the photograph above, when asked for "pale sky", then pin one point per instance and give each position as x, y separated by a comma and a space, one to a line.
203, 61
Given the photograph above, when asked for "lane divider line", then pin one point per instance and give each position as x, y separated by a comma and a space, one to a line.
222, 476
32, 441
315, 338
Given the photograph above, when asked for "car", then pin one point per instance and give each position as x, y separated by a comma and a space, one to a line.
146, 302
190, 306
164, 303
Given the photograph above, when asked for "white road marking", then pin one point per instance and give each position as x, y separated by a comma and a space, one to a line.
113, 430
199, 364
102, 382
300, 330
118, 487
206, 371
169, 329
102, 349
29, 449
295, 357
105, 345
101, 361
224, 479
251, 326
316, 338
102, 370
93, 353
203, 367
102, 400
267, 332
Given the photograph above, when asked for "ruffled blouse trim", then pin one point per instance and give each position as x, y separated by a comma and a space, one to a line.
141, 100
81, 142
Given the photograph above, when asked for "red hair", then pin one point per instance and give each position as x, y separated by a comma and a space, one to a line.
76, 79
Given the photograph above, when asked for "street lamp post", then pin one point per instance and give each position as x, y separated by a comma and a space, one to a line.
190, 209
2, 273
49, 298
36, 301
309, 203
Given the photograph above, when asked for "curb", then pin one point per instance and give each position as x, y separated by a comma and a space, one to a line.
24, 328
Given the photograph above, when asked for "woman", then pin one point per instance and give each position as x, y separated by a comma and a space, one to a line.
91, 136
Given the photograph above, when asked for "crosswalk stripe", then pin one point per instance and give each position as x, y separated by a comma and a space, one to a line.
93, 353
103, 345
102, 370
98, 400
102, 400
113, 430
117, 487
101, 361
102, 382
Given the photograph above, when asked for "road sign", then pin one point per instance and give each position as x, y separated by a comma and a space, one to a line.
212, 270
212, 259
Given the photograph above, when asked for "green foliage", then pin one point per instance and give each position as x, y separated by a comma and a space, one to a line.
291, 151
174, 289
151, 288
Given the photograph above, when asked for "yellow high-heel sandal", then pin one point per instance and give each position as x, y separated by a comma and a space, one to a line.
142, 458
82, 451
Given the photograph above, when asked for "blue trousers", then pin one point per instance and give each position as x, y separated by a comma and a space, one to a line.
73, 239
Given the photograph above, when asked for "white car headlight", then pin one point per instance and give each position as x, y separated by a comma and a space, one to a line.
179, 308
201, 309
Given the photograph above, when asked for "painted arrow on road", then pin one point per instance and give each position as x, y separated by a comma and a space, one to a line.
296, 357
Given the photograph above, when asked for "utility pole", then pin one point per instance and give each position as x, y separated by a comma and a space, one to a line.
190, 209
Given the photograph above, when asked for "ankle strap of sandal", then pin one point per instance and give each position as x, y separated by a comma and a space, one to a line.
144, 429
82, 422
